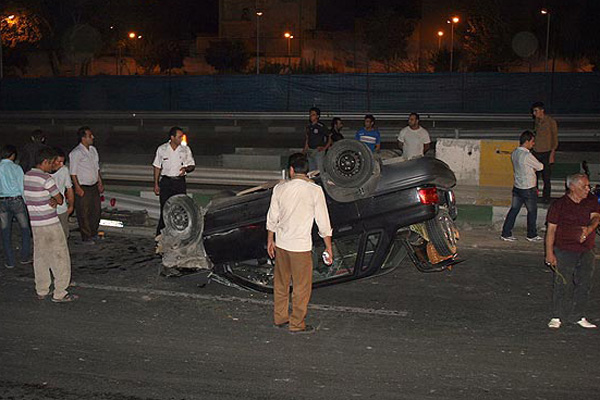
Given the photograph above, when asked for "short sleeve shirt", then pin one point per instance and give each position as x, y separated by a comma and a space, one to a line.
413, 141
170, 161
85, 164
39, 188
63, 182
570, 217
317, 135
370, 138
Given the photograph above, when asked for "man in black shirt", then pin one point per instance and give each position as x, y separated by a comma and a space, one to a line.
336, 129
317, 140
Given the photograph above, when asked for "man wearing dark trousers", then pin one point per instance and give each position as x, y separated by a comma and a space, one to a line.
172, 162
84, 165
546, 142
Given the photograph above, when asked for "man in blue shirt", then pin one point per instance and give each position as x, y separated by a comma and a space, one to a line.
369, 135
12, 206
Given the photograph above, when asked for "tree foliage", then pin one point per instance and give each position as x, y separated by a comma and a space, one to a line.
227, 56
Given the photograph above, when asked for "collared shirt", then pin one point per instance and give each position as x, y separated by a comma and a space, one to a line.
295, 205
370, 138
170, 161
412, 141
85, 164
39, 188
317, 135
11, 179
569, 217
63, 182
546, 134
524, 166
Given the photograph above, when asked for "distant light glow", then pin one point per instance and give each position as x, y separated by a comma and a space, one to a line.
184, 140
440, 33
456, 20
132, 35
544, 11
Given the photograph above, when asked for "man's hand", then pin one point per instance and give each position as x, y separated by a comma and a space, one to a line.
79, 191
552, 157
182, 171
330, 252
53, 203
156, 189
100, 187
585, 232
551, 259
70, 209
271, 248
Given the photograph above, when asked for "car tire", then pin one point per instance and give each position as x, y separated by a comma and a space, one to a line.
349, 163
182, 219
442, 233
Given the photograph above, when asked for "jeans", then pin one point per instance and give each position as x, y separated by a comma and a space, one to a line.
520, 197
574, 279
545, 174
315, 159
9, 208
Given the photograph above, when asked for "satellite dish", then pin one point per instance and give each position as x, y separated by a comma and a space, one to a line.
525, 44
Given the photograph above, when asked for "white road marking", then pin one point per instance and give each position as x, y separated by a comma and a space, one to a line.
232, 299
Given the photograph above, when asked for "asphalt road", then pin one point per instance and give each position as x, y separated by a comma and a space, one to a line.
478, 331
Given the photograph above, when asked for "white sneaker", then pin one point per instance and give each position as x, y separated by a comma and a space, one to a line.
584, 323
555, 323
508, 238
536, 239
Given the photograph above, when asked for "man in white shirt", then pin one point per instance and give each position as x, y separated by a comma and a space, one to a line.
525, 165
295, 205
173, 161
84, 165
65, 187
413, 140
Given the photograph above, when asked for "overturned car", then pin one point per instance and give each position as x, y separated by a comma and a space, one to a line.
381, 211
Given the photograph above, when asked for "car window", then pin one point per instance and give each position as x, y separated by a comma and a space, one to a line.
371, 244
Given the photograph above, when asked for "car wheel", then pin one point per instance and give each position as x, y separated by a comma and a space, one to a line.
182, 219
443, 233
348, 163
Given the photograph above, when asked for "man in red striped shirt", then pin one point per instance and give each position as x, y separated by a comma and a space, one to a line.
50, 250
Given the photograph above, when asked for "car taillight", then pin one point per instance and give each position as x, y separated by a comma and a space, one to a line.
429, 196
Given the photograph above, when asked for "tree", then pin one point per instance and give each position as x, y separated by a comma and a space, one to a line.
20, 28
386, 32
227, 56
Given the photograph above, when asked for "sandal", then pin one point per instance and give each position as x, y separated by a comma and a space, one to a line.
68, 298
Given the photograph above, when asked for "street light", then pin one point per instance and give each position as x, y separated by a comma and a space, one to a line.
258, 15
452, 22
440, 34
132, 35
547, 13
289, 38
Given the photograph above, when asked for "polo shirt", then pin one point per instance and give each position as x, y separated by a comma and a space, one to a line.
569, 217
370, 138
39, 188
11, 179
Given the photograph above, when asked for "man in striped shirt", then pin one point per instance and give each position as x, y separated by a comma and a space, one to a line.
50, 251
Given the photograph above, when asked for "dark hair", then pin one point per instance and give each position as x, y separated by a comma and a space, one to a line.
173, 131
38, 136
334, 121
417, 116
371, 117
315, 109
537, 104
45, 153
81, 132
299, 162
59, 152
526, 137
8, 150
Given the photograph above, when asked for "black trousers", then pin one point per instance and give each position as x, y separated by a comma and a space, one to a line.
168, 187
546, 173
88, 209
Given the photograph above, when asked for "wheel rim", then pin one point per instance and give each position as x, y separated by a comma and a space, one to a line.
448, 228
349, 163
179, 218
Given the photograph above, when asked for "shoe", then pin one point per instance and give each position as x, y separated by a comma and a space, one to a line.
307, 329
26, 261
284, 325
67, 299
584, 323
536, 239
554, 323
9, 266
508, 238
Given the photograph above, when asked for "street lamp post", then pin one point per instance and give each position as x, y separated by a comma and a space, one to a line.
289, 38
440, 34
452, 22
547, 13
258, 15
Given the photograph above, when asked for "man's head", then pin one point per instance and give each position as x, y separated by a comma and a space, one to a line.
38, 136
44, 159
9, 151
537, 109
578, 185
298, 164
413, 120
85, 135
314, 114
59, 161
369, 121
176, 135
337, 124
527, 140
